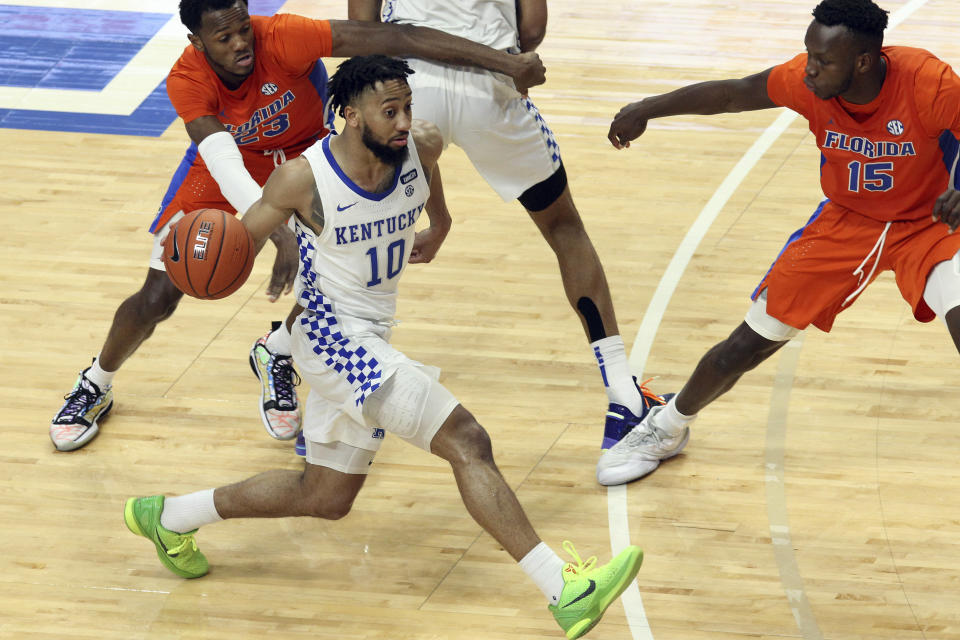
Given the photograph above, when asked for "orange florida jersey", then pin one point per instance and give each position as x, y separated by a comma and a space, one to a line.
276, 113
280, 104
891, 158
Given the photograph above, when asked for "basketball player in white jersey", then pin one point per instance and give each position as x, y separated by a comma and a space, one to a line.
515, 151
355, 198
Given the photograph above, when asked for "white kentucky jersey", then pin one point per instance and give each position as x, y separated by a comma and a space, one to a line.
353, 266
489, 22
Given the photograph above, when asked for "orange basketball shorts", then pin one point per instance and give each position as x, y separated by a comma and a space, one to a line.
192, 187
827, 263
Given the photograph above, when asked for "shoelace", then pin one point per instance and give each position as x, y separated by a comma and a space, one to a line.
285, 378
184, 541
636, 438
649, 395
80, 397
581, 567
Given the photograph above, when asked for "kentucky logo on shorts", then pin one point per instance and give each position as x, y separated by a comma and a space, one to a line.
378, 434
895, 127
268, 89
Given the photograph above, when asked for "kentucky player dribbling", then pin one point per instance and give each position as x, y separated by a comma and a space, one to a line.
355, 198
251, 92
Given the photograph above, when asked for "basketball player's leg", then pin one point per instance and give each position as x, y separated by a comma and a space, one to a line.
137, 317
942, 294
271, 360
171, 523
666, 429
463, 443
424, 413
91, 399
533, 174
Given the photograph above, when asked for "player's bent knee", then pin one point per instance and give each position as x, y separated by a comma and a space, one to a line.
158, 298
472, 442
330, 507
462, 439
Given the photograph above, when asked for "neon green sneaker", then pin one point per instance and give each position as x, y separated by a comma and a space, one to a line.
588, 590
177, 551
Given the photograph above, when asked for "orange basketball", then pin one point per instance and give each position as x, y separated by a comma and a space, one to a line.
208, 254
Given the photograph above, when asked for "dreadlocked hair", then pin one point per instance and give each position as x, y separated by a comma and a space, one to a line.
862, 17
191, 11
354, 75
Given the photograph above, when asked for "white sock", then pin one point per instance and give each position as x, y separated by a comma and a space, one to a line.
611, 356
189, 512
545, 568
278, 342
670, 420
100, 377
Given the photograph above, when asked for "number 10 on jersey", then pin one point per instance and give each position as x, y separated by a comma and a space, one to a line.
394, 251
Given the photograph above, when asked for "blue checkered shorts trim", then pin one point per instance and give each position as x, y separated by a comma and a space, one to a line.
548, 137
350, 360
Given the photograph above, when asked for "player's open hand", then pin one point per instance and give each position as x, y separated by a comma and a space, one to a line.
629, 124
947, 209
286, 263
427, 244
530, 71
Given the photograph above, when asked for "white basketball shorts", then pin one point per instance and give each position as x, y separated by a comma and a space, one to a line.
408, 401
156, 252
481, 112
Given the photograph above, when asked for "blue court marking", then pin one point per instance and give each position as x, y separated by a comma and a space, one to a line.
91, 40
53, 48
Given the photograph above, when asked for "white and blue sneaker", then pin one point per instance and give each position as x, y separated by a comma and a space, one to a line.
76, 423
640, 452
279, 409
620, 420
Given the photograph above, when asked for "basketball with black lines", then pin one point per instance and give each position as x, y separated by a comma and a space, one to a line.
208, 254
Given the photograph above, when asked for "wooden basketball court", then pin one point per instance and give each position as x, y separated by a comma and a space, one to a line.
819, 499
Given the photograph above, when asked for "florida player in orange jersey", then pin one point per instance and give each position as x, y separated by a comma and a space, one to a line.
887, 121
251, 91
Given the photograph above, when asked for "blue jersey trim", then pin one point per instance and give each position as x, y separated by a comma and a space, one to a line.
950, 146
347, 181
175, 182
793, 238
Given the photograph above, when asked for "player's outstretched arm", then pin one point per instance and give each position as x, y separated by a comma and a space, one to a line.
429, 146
354, 38
705, 98
222, 157
531, 23
288, 191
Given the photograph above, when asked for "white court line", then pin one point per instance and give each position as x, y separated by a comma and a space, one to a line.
129, 88
617, 495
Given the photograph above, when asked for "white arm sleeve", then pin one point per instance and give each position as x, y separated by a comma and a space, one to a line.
225, 163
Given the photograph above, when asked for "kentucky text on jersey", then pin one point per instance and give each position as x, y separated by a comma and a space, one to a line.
376, 229
261, 115
867, 148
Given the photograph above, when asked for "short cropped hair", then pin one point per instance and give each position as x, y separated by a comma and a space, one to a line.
191, 11
354, 75
865, 20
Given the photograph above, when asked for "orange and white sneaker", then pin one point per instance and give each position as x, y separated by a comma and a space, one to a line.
76, 423
279, 409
